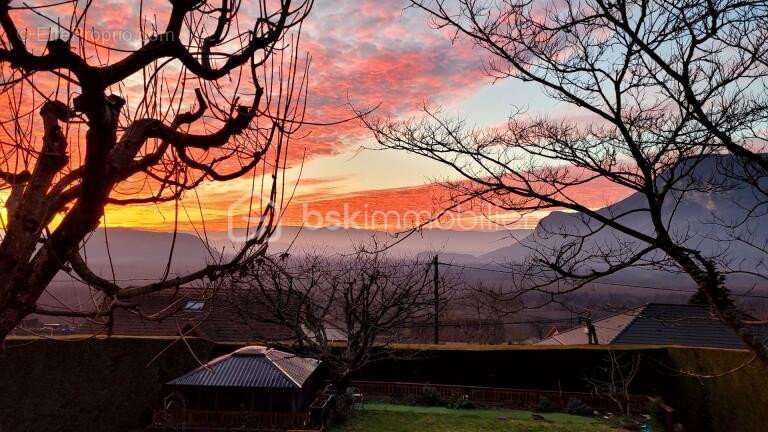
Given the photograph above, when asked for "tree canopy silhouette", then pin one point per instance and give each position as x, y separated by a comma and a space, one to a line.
660, 89
214, 94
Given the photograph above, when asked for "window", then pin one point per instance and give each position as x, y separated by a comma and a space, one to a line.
194, 306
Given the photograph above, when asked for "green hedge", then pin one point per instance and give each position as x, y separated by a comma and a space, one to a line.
113, 384
537, 368
735, 401
93, 385
734, 398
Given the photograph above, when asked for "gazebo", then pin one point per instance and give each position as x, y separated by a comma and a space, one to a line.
253, 386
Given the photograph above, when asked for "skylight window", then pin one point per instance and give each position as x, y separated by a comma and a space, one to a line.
194, 306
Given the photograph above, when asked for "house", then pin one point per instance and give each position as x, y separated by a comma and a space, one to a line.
192, 312
657, 324
51, 327
254, 387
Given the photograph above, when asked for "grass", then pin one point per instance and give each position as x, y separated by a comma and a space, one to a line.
379, 417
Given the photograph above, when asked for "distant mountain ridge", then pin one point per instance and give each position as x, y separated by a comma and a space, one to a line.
697, 216
149, 251
133, 245
331, 240
144, 254
139, 256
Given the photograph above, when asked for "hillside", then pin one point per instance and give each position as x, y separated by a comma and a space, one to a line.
697, 220
344, 240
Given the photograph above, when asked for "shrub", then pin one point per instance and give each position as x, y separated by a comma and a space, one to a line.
578, 407
545, 405
463, 403
429, 396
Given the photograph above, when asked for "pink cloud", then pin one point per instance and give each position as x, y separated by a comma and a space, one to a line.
366, 52
372, 53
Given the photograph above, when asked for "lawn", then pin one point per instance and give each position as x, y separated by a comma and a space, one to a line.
376, 417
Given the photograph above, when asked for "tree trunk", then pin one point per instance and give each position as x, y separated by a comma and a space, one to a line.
25, 271
10, 317
710, 283
342, 405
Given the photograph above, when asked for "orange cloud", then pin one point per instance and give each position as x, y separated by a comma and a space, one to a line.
364, 52
392, 209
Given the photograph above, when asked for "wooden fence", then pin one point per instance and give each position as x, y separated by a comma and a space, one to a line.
226, 420
493, 396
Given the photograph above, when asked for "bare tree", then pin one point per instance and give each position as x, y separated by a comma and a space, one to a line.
614, 376
214, 95
666, 88
345, 311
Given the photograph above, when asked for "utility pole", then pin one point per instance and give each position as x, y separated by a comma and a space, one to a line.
436, 280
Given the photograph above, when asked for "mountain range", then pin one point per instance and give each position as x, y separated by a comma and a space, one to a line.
700, 219
143, 254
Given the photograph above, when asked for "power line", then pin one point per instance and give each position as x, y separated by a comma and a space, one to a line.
617, 284
516, 273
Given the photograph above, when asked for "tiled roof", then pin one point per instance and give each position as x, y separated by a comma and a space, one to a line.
659, 324
252, 367
685, 325
217, 319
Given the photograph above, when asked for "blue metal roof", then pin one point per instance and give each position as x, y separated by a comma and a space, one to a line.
251, 367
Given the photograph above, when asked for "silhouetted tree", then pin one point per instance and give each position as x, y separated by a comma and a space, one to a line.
213, 95
345, 311
613, 378
664, 88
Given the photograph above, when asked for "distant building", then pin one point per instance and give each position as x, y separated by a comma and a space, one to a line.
253, 386
657, 324
33, 326
191, 312
216, 317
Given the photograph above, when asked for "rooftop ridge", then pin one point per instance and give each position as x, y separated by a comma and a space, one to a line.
250, 350
640, 310
280, 368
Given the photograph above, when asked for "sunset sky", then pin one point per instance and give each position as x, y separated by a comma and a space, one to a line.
364, 53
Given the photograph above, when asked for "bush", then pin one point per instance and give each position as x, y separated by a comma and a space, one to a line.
578, 407
429, 396
545, 405
463, 403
